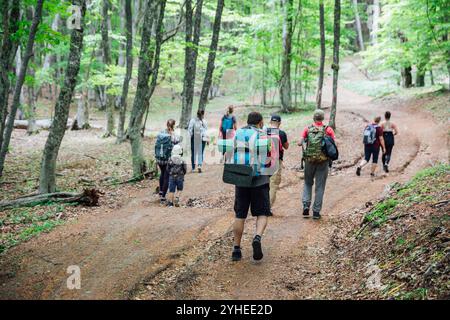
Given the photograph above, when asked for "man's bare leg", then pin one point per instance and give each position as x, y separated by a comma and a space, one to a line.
238, 230
261, 224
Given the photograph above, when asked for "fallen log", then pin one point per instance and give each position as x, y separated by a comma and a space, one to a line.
88, 197
45, 124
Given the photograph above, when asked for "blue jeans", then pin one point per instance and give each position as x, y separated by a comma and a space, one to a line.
176, 184
197, 150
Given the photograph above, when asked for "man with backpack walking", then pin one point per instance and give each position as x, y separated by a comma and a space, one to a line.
316, 163
373, 140
252, 148
279, 139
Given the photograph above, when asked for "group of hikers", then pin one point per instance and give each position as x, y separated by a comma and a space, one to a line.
253, 162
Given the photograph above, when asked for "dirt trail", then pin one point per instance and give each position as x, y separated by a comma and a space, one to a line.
146, 251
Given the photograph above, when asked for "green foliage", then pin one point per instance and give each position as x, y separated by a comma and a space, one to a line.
411, 34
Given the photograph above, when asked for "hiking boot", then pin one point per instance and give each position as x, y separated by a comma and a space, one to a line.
199, 170
386, 168
162, 200
170, 204
316, 215
358, 171
257, 250
236, 255
306, 213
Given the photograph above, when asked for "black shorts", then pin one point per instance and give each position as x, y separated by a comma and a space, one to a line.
370, 151
258, 199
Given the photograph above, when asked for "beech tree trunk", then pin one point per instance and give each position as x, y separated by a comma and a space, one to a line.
375, 21
335, 67
148, 67
358, 26
19, 82
285, 85
190, 60
106, 47
48, 166
129, 70
212, 56
322, 55
10, 25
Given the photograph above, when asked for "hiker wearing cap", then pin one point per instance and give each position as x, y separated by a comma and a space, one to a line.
373, 140
279, 144
316, 163
390, 130
176, 168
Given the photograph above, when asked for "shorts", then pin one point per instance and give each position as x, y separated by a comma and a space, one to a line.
176, 184
371, 151
257, 199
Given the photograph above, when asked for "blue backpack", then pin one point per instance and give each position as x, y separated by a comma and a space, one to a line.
227, 123
370, 134
163, 146
251, 148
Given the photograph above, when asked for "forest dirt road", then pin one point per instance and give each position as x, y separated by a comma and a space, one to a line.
144, 251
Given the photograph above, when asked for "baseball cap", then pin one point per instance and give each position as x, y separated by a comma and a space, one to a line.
275, 118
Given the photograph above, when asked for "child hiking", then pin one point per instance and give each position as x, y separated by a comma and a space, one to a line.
177, 170
373, 140
316, 163
389, 131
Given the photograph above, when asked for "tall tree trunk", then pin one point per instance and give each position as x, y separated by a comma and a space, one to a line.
406, 77
148, 67
48, 166
10, 25
32, 98
375, 21
264, 82
190, 62
129, 70
106, 47
358, 26
285, 85
212, 56
420, 77
19, 82
322, 55
335, 67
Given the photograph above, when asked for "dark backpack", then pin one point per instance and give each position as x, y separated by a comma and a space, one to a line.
163, 146
227, 124
330, 149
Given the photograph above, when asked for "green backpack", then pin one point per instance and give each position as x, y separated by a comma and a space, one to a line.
314, 143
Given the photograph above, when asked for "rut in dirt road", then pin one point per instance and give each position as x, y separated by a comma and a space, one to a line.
144, 251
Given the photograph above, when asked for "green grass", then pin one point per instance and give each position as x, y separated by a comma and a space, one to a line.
416, 294
27, 223
420, 189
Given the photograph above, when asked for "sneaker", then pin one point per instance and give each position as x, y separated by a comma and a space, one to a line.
236, 255
358, 171
316, 215
372, 175
306, 213
177, 202
385, 168
199, 170
162, 200
257, 250
170, 204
